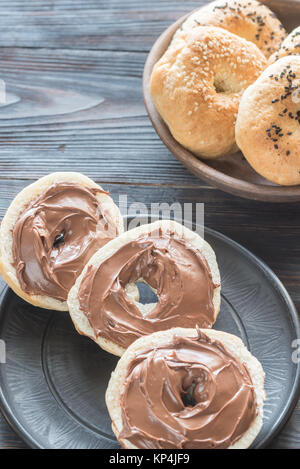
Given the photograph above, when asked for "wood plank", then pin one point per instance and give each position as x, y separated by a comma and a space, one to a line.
93, 24
81, 110
75, 5
89, 25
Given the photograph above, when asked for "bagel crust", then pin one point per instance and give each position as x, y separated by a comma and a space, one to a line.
246, 18
181, 278
268, 123
25, 199
124, 375
197, 84
290, 46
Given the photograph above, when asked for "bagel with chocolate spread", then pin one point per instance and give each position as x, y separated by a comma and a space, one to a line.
246, 18
197, 85
268, 122
174, 261
186, 389
49, 233
290, 46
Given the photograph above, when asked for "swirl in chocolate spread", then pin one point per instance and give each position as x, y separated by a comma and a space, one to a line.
56, 235
167, 263
192, 393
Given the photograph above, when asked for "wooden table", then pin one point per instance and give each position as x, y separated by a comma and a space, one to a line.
73, 71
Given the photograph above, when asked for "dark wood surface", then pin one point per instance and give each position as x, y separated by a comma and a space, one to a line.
73, 71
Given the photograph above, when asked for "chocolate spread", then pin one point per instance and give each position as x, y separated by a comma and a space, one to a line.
168, 264
56, 235
189, 394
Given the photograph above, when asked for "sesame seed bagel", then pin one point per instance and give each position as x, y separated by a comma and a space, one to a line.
147, 427
175, 262
197, 84
245, 18
268, 122
290, 46
38, 201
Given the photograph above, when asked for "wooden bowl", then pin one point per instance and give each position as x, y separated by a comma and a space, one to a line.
230, 173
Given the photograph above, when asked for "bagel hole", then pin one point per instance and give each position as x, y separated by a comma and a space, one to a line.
59, 239
188, 397
147, 295
225, 85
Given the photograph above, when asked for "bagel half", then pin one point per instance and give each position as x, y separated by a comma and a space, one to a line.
234, 345
114, 335
28, 196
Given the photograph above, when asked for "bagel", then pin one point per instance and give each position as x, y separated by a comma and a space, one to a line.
176, 263
251, 20
290, 46
50, 231
186, 389
268, 122
197, 84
